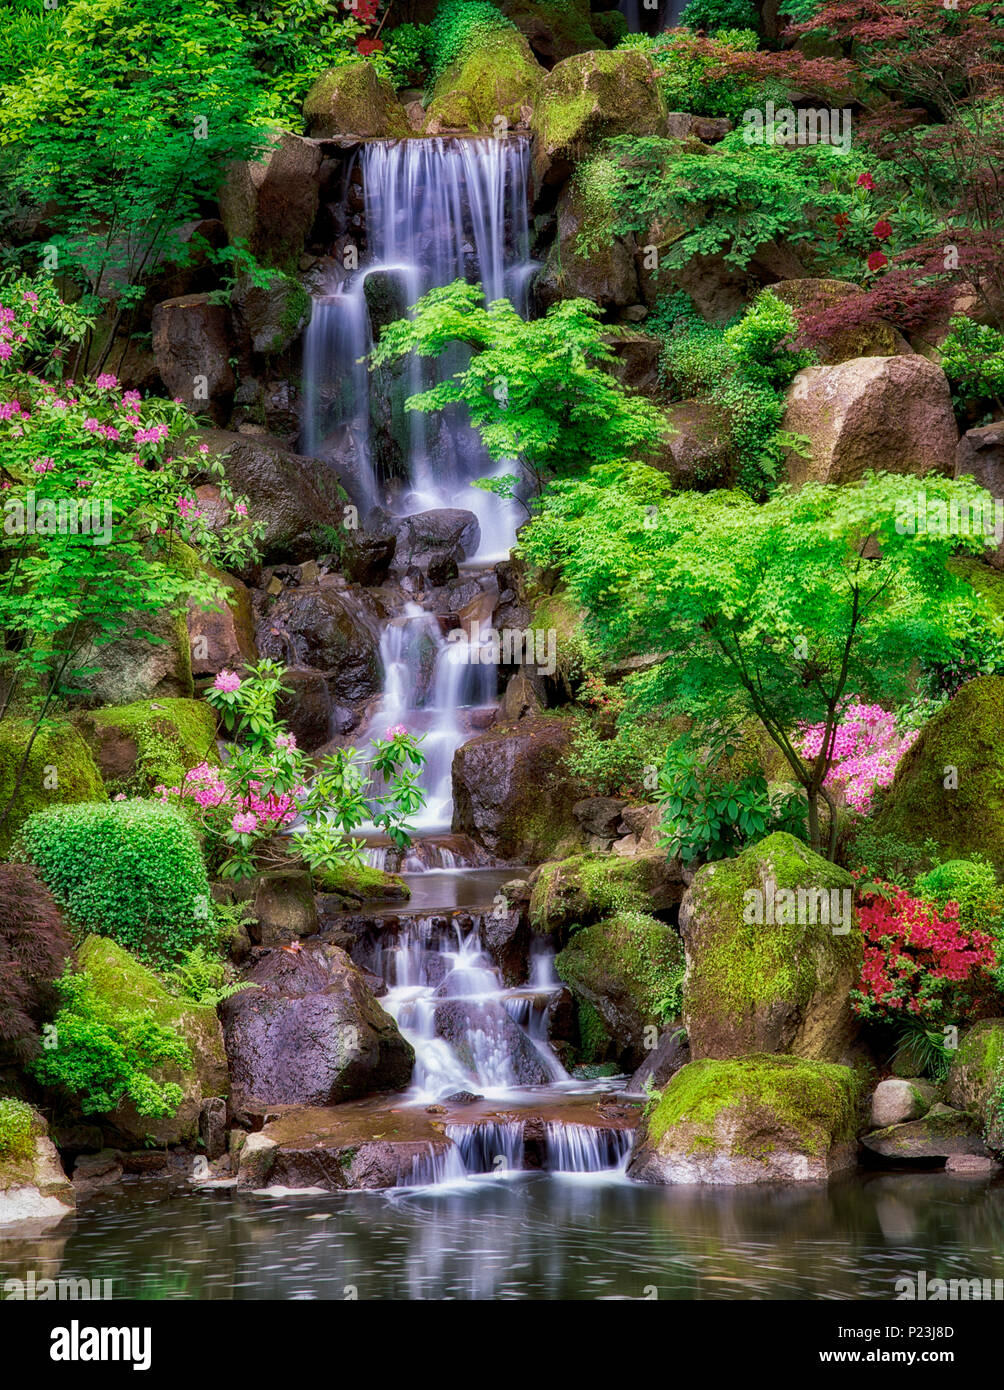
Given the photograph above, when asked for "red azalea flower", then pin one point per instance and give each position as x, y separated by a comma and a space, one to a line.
368, 46
841, 219
866, 181
876, 260
882, 229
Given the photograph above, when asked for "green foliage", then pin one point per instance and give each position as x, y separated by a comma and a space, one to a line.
536, 391
621, 763
130, 870
711, 815
972, 357
712, 15
888, 857
972, 645
410, 48
690, 70
104, 1054
776, 612
18, 1126
203, 977
744, 369
972, 883
459, 26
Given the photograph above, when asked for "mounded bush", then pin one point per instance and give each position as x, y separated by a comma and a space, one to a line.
130, 870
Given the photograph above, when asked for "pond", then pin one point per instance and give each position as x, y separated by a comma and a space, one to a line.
530, 1237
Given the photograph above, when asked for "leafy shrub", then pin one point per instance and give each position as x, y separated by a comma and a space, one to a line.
691, 71
745, 369
409, 47
972, 357
710, 816
18, 1127
887, 857
34, 944
105, 1055
459, 25
973, 646
920, 961
621, 762
712, 15
203, 977
972, 885
130, 870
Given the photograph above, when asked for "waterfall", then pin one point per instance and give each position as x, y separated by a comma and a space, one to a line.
450, 1003
490, 1146
436, 210
585, 1149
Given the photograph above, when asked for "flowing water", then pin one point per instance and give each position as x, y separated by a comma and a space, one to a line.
532, 1237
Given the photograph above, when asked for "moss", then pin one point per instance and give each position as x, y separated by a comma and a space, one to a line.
764, 1099
496, 78
19, 1126
595, 95
977, 1065
359, 882
170, 736
584, 887
632, 960
354, 99
988, 583
746, 964
967, 816
594, 1040
60, 772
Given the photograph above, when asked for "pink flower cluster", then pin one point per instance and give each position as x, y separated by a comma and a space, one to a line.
866, 752
206, 787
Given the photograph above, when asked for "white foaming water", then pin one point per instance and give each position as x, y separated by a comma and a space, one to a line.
437, 210
585, 1148
450, 1003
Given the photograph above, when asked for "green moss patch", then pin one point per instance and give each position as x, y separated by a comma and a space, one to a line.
60, 771
150, 743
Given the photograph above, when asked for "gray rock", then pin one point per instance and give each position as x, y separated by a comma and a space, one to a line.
895, 1102
942, 1133
284, 907
326, 630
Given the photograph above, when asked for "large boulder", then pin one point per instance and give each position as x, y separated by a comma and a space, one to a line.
354, 100
269, 316
627, 967
222, 637
661, 1063
35, 1193
329, 630
290, 495
977, 1066
697, 450
270, 203
192, 349
311, 1033
122, 983
891, 414
980, 455
496, 78
151, 743
759, 1119
555, 29
941, 1134
584, 265
588, 98
511, 794
284, 907
768, 969
60, 771
950, 784
876, 338
480, 1032
587, 887
132, 668
446, 530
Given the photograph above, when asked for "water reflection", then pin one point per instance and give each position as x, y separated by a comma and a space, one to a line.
533, 1237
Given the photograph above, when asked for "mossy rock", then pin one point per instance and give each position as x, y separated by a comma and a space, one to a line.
754, 1119
988, 583
977, 1066
359, 883
124, 984
961, 746
587, 260
497, 77
589, 98
60, 772
150, 743
557, 29
33, 1186
585, 887
876, 338
354, 99
941, 1133
782, 985
629, 968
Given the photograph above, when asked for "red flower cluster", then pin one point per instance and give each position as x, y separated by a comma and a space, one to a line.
368, 46
914, 954
363, 10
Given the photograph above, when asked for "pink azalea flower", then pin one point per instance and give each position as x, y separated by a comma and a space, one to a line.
227, 681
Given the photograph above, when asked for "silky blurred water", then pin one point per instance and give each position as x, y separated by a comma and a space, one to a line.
531, 1237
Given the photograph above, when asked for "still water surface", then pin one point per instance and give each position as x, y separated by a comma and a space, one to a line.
531, 1236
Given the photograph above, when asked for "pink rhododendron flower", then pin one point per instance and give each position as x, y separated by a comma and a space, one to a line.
866, 752
106, 380
245, 823
227, 681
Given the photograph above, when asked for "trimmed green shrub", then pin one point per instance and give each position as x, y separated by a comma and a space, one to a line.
104, 1054
129, 870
